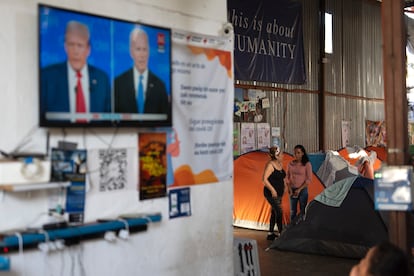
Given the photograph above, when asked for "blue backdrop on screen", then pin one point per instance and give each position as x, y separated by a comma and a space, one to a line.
109, 43
268, 42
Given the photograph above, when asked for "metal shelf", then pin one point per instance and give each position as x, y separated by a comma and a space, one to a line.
33, 186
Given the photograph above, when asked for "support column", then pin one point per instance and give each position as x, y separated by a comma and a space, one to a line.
395, 95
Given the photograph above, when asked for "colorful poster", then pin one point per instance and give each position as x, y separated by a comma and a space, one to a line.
263, 135
152, 165
375, 133
248, 137
180, 203
202, 109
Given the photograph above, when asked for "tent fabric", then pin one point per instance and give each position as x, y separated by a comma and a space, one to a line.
335, 194
344, 163
346, 231
251, 210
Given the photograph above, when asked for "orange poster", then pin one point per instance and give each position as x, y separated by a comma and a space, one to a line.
152, 165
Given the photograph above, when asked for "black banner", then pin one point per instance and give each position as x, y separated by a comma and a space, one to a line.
268, 44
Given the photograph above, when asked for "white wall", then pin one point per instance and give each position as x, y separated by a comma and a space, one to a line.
196, 245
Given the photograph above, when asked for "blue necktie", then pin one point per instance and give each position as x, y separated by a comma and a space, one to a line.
140, 96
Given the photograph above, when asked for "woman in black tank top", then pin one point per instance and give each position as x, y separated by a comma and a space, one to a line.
274, 187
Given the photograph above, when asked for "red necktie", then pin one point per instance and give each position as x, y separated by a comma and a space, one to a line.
80, 99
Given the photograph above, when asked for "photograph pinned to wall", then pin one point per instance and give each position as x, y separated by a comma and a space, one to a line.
152, 165
375, 134
179, 202
346, 132
68, 165
265, 103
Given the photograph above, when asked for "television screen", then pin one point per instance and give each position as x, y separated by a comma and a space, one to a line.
101, 71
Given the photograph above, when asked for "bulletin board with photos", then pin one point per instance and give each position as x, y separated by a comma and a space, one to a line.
251, 127
250, 105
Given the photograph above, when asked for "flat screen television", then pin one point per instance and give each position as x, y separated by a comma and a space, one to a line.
100, 71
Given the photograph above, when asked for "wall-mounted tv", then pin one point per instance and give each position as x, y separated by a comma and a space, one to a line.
101, 71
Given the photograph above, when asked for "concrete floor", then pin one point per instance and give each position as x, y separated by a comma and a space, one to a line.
276, 262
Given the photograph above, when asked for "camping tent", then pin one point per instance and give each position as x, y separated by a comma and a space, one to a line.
341, 222
251, 210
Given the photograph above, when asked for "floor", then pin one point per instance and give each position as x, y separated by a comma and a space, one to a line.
276, 262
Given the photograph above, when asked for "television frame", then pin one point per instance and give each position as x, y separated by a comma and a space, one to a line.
109, 51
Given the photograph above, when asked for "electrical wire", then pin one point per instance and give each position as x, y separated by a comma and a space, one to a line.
45, 247
21, 255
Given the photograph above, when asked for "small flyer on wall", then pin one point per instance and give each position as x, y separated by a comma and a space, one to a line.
346, 132
152, 165
179, 202
263, 135
70, 165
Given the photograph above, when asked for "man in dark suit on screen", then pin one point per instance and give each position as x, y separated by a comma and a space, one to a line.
138, 90
73, 85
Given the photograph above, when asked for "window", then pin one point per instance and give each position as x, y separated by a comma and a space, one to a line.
328, 33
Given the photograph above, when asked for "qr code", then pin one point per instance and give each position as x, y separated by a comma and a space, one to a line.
112, 169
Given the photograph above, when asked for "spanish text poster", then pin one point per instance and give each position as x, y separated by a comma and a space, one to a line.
152, 165
202, 109
180, 204
248, 137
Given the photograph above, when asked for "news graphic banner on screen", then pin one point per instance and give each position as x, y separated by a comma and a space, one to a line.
100, 71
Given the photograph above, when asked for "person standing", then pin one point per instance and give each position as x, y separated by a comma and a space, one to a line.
74, 85
299, 176
274, 187
138, 90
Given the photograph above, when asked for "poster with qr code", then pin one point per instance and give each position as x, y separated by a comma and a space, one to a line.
179, 202
113, 169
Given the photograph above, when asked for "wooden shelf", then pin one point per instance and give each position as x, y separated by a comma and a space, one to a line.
33, 186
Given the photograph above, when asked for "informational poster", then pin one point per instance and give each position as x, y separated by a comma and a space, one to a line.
346, 132
202, 109
263, 135
70, 165
276, 137
248, 137
152, 165
180, 203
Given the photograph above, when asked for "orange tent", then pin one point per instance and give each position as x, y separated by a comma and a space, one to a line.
251, 210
